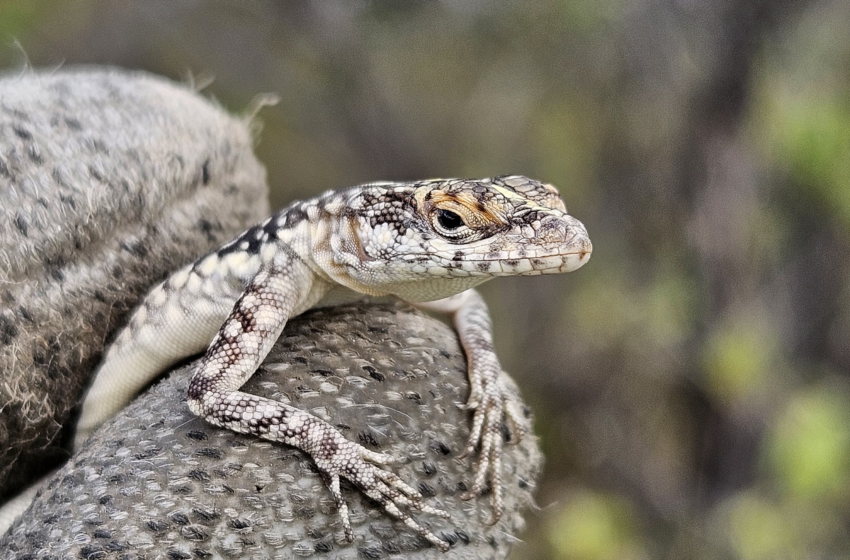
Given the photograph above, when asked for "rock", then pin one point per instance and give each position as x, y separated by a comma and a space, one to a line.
158, 482
109, 179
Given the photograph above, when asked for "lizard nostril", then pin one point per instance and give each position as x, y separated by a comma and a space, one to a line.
554, 231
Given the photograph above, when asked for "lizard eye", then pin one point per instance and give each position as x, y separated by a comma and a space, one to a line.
452, 226
449, 220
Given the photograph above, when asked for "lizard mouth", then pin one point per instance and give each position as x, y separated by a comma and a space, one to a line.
565, 262
577, 253
556, 259
553, 246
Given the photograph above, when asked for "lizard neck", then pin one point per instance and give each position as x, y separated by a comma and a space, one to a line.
327, 240
336, 252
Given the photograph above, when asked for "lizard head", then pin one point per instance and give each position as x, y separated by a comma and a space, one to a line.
431, 239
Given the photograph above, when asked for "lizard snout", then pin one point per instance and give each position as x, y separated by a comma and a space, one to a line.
571, 239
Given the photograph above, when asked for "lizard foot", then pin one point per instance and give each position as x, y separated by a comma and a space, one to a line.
360, 466
491, 403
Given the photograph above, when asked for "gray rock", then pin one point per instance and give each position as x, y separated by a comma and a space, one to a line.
157, 482
108, 180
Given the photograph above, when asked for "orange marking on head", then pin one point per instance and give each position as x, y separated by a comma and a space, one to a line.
473, 211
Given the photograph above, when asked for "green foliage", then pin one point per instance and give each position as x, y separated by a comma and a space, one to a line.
802, 111
593, 526
810, 132
808, 448
759, 530
740, 357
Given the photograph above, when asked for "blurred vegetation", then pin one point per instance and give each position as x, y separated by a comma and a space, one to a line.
690, 384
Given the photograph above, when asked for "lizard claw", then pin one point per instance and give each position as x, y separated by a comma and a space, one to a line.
519, 417
361, 466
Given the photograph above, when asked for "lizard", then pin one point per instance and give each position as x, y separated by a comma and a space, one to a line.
426, 242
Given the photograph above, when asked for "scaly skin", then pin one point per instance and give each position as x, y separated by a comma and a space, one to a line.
425, 242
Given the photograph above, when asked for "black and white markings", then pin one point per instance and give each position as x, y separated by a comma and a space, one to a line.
378, 239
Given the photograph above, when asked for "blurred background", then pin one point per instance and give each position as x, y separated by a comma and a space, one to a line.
690, 384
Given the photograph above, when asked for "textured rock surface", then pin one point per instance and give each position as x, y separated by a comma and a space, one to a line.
157, 482
108, 180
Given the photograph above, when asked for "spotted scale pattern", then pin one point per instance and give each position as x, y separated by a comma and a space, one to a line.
426, 242
245, 338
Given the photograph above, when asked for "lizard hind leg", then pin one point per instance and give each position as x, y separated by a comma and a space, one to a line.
176, 319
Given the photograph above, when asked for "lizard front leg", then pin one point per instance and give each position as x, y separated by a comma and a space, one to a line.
245, 338
488, 398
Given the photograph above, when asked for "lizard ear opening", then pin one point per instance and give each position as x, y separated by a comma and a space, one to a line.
356, 244
346, 247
